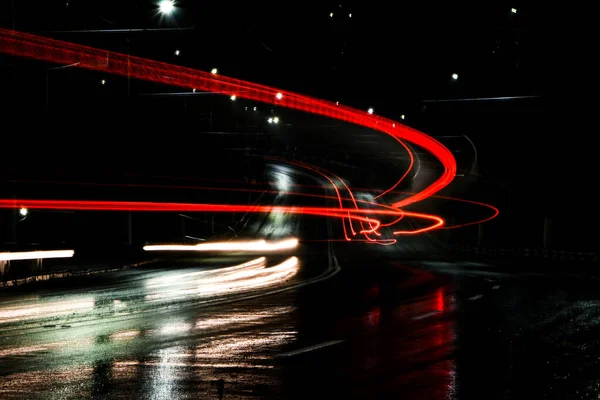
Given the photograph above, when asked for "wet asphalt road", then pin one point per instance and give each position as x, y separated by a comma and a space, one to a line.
371, 331
378, 329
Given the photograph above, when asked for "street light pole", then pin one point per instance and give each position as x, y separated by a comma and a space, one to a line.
14, 15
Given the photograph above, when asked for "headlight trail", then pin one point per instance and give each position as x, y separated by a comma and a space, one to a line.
36, 255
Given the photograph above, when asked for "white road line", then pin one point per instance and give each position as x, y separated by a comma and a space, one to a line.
426, 315
310, 348
476, 297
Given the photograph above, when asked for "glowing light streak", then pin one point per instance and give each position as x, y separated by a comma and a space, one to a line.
32, 46
246, 246
36, 255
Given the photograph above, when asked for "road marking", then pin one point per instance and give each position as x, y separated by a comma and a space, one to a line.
476, 297
496, 287
310, 348
426, 315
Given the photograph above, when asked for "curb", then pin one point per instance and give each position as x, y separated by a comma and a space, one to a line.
67, 274
557, 255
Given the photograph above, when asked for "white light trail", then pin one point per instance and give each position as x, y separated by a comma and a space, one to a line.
253, 245
36, 255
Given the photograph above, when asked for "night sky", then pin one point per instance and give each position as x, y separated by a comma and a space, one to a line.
389, 56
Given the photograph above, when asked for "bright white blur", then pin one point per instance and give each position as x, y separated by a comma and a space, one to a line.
245, 277
36, 255
250, 246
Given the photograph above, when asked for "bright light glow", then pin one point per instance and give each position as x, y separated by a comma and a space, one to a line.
166, 6
252, 245
244, 277
279, 96
23, 212
455, 76
370, 111
193, 90
176, 52
350, 15
254, 108
233, 97
276, 120
402, 116
214, 71
270, 120
103, 82
331, 14
36, 255
513, 10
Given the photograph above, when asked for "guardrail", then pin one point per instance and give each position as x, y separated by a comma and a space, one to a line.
532, 253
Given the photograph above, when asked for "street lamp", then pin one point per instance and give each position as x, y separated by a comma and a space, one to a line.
214, 71
370, 111
23, 212
455, 76
166, 7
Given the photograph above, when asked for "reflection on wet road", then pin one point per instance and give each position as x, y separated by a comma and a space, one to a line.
376, 330
377, 333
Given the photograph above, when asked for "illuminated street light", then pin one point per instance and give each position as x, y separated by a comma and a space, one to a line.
455, 76
166, 7
370, 111
331, 14
24, 212
279, 96
276, 120
270, 120
233, 97
350, 15
176, 52
513, 10
214, 71
103, 82
254, 108
402, 116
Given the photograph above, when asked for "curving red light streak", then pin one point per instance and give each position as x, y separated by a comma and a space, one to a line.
36, 47
341, 212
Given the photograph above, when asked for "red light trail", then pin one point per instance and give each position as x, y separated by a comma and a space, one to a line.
59, 52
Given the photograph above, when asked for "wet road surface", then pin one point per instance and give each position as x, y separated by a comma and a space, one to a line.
371, 331
378, 329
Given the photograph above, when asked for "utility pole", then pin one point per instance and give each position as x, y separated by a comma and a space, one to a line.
14, 15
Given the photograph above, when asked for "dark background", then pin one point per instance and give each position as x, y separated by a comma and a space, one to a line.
396, 58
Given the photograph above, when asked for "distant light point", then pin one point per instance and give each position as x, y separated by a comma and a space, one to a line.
455, 76
513, 10
279, 96
214, 71
233, 97
370, 111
